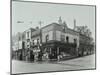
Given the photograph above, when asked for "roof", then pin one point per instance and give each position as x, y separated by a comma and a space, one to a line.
35, 33
60, 28
49, 25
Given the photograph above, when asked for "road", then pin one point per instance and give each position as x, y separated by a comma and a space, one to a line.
86, 62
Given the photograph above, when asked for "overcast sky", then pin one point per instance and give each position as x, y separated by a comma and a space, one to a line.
31, 13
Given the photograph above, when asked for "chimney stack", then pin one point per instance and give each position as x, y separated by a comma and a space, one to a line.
37, 27
60, 20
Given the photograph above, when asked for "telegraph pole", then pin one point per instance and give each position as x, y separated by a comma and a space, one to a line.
19, 38
40, 22
74, 24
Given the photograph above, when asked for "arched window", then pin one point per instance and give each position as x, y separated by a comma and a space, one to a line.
75, 41
27, 34
47, 38
67, 39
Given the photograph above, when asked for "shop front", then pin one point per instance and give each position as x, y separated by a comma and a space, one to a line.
58, 50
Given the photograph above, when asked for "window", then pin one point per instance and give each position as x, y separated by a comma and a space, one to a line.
67, 39
28, 40
63, 28
47, 38
37, 41
62, 38
23, 45
23, 36
27, 34
19, 38
33, 42
75, 41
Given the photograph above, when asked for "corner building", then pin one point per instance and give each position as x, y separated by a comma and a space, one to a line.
58, 39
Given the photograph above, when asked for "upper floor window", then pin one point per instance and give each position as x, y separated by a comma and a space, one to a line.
28, 34
23, 36
23, 44
19, 38
33, 42
75, 41
62, 38
67, 39
47, 38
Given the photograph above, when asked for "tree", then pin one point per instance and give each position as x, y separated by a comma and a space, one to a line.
84, 30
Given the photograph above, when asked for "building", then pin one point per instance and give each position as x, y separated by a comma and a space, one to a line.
17, 45
52, 40
58, 38
86, 45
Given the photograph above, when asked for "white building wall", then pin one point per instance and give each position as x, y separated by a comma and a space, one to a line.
49, 33
71, 37
58, 35
35, 39
29, 34
15, 46
20, 44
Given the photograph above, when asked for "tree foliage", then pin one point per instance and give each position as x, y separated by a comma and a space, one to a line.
84, 30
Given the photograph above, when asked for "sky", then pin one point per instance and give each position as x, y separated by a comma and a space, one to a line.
30, 13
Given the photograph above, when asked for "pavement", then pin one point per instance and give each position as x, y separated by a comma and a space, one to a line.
86, 62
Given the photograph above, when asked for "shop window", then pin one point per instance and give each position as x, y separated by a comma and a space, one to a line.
23, 45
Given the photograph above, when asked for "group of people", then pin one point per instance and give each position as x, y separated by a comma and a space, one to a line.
37, 55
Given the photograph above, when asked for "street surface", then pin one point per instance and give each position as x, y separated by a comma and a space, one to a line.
86, 62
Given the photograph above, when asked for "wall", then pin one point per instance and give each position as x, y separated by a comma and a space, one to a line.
58, 35
29, 34
71, 37
48, 30
49, 33
35, 39
17, 45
